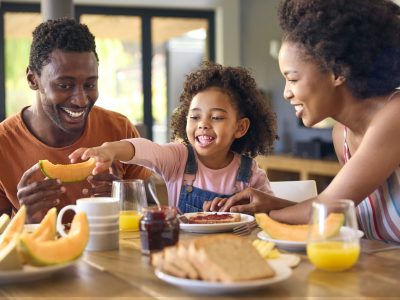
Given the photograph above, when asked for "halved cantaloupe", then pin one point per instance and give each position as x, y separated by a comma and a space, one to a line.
67, 173
296, 233
47, 228
4, 220
9, 256
65, 249
15, 226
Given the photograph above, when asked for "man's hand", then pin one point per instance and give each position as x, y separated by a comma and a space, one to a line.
38, 196
101, 184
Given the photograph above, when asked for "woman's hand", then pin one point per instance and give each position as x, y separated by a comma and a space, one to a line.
248, 201
38, 196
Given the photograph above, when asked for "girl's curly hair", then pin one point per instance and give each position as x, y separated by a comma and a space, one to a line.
357, 39
245, 96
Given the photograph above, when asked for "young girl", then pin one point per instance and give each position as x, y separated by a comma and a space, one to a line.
223, 120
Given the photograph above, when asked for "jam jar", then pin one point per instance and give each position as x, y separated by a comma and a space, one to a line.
159, 227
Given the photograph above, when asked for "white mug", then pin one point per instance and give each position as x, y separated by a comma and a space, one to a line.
102, 212
103, 240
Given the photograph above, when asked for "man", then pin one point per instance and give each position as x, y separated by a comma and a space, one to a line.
63, 70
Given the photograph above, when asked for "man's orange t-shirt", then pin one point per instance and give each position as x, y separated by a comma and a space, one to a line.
20, 150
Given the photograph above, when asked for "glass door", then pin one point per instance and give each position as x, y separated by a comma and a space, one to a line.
118, 45
18, 27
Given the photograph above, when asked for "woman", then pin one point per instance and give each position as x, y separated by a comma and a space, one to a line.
341, 59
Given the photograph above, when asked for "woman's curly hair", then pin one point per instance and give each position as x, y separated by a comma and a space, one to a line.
357, 39
64, 34
245, 96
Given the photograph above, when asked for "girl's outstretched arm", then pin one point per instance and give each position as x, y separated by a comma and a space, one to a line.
105, 154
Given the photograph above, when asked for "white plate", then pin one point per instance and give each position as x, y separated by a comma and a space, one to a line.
294, 246
31, 273
206, 287
211, 228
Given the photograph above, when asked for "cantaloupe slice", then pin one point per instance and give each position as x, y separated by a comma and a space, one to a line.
9, 256
4, 220
296, 233
47, 228
65, 249
15, 226
68, 173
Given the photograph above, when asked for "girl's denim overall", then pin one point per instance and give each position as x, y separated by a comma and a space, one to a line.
191, 198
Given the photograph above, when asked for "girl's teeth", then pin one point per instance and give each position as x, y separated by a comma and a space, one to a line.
205, 139
298, 108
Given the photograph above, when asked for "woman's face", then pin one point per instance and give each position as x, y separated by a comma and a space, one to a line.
309, 89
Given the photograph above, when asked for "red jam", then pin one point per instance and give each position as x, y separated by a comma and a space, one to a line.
159, 228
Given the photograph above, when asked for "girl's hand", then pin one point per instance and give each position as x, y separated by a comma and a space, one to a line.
103, 154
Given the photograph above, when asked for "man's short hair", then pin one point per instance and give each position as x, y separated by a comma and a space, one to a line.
64, 34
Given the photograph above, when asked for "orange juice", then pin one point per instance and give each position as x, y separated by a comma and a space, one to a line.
129, 220
333, 256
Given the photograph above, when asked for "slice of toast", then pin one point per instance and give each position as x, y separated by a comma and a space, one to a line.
159, 261
174, 261
214, 218
228, 258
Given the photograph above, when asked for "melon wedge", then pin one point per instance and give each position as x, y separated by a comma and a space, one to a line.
68, 173
47, 228
4, 220
9, 256
63, 250
15, 226
296, 233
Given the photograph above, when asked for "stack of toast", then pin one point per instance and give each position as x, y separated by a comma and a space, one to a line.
222, 257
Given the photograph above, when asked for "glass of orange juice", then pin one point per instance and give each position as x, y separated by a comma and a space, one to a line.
132, 198
333, 243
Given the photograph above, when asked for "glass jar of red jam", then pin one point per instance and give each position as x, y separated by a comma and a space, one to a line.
159, 227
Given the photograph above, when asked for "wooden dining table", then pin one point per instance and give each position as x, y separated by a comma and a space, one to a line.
126, 273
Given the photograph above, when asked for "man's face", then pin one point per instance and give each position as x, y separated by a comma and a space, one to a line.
68, 89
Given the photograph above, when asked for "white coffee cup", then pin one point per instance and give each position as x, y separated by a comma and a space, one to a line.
94, 207
103, 227
103, 240
104, 220
102, 214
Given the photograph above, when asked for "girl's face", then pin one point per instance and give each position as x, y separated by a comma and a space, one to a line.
310, 90
213, 124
